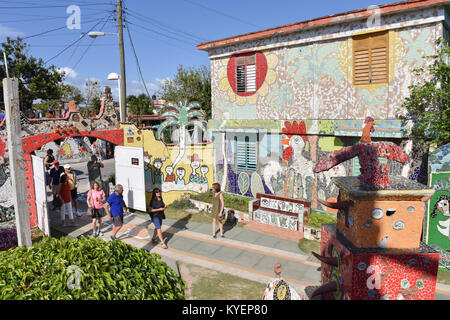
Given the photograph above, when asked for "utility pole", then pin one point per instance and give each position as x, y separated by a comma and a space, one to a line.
123, 88
16, 165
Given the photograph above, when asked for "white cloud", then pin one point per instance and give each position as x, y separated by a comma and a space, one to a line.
69, 72
8, 32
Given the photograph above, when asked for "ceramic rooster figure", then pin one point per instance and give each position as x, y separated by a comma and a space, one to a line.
368, 152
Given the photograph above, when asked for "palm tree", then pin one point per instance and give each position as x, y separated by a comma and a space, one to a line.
182, 115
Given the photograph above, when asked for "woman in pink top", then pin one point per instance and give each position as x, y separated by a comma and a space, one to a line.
95, 199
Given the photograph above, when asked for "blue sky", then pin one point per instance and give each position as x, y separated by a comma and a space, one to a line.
164, 33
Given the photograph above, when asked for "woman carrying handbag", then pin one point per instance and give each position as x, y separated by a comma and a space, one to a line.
95, 199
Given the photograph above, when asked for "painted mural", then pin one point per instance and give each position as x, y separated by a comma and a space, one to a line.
438, 219
165, 169
314, 80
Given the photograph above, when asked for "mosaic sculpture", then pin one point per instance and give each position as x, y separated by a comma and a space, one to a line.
374, 251
372, 171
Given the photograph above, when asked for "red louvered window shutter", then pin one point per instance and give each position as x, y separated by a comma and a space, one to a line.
247, 72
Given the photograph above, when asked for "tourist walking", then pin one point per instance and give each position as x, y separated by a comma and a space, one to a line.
218, 207
95, 199
114, 209
48, 162
63, 193
94, 171
55, 174
73, 182
156, 211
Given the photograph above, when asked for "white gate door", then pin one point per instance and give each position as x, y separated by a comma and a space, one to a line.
129, 165
40, 194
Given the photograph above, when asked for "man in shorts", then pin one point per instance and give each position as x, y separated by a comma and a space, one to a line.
94, 171
114, 209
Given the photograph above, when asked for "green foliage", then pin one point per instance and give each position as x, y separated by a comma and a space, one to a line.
36, 81
140, 105
92, 94
429, 103
191, 84
112, 178
231, 201
109, 270
317, 219
69, 92
182, 204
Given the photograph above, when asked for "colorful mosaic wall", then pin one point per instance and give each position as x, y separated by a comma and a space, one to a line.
307, 105
194, 173
287, 152
314, 80
438, 220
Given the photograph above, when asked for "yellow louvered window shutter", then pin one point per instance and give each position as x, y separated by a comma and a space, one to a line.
370, 59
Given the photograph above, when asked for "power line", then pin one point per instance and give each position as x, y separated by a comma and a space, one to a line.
82, 36
137, 60
161, 40
162, 34
55, 6
162, 25
87, 49
222, 13
45, 32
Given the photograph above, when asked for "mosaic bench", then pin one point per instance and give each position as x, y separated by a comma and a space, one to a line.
280, 212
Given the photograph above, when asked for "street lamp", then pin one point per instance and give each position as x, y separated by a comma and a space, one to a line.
95, 34
122, 87
115, 76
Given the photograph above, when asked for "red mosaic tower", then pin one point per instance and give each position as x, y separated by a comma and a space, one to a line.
374, 251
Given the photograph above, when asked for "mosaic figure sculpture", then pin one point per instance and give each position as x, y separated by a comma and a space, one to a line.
374, 251
372, 171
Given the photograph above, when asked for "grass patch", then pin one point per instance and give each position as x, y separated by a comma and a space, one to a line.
208, 284
443, 276
307, 246
235, 202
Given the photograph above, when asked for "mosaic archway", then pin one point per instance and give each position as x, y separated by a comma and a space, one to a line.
38, 132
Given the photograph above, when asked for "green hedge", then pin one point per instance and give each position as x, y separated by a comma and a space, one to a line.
235, 202
109, 270
317, 219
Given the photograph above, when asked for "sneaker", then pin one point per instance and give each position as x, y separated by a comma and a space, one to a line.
94, 234
112, 238
222, 236
100, 234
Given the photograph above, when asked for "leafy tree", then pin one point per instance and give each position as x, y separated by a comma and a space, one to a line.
139, 105
36, 81
191, 84
69, 92
92, 94
428, 105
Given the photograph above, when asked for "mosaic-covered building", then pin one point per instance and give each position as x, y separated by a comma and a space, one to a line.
283, 97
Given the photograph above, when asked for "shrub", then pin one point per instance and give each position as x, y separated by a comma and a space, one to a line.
109, 270
317, 219
8, 238
232, 201
182, 204
112, 178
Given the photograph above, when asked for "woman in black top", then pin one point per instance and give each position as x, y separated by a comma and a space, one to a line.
156, 211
